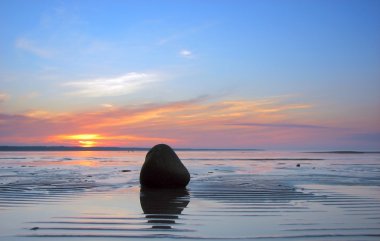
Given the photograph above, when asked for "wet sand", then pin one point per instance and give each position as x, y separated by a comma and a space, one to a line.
245, 195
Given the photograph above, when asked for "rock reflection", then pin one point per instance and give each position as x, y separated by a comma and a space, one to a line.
162, 207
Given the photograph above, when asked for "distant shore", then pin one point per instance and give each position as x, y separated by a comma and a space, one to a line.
343, 152
79, 148
105, 148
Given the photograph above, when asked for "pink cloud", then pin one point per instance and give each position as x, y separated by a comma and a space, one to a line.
198, 122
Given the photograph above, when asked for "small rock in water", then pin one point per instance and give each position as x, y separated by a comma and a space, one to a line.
162, 168
298, 165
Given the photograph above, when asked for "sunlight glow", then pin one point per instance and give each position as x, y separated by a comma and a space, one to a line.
84, 140
91, 140
87, 143
83, 137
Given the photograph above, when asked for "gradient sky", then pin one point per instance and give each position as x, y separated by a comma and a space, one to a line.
210, 74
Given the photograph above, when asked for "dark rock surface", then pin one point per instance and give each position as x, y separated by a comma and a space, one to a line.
163, 169
163, 207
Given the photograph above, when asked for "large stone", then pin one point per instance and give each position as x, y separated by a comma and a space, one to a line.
162, 168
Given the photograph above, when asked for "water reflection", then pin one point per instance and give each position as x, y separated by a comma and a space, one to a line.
162, 207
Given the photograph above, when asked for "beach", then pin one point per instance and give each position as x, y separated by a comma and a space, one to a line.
232, 195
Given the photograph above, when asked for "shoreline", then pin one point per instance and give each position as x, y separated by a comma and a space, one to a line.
78, 148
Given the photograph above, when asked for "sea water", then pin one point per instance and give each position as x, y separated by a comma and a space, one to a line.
246, 195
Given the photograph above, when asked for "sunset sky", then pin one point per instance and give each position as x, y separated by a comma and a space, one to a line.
202, 74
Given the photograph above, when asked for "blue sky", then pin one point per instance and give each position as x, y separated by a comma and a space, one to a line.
80, 56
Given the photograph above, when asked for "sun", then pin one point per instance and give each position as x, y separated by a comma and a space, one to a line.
84, 140
87, 143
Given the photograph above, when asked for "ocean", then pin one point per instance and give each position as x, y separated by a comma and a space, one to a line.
232, 195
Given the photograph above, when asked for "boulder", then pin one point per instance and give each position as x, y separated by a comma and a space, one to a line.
163, 169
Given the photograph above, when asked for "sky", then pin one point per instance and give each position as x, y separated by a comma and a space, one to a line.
271, 74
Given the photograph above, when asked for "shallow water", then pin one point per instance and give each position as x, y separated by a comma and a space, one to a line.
232, 195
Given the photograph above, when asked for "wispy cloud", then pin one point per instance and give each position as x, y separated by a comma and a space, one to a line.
31, 47
280, 125
202, 122
186, 53
114, 86
105, 105
3, 97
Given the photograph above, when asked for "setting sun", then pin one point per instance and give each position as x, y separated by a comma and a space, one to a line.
83, 140
87, 143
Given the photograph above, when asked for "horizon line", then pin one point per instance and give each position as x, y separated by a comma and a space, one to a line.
4, 148
106, 148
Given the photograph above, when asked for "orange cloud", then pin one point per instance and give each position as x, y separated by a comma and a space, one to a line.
198, 122
190, 113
